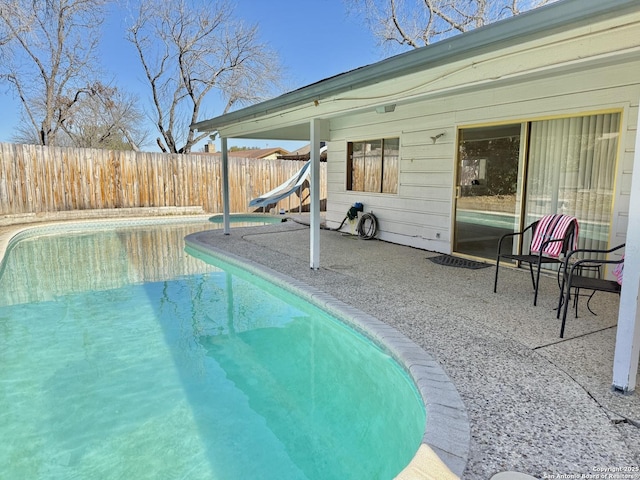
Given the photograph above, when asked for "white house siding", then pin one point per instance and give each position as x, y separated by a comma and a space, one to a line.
572, 71
421, 214
422, 207
623, 185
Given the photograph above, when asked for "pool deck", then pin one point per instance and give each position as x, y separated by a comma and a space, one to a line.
534, 403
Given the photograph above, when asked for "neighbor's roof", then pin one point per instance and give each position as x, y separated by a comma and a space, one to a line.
304, 153
528, 26
258, 152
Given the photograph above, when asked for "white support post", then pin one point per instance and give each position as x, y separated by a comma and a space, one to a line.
225, 185
627, 349
314, 247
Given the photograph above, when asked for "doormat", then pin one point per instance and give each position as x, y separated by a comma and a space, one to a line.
451, 261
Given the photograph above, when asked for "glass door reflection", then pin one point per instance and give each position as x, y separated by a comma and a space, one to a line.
490, 163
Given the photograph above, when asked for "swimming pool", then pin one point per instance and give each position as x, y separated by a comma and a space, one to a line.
124, 356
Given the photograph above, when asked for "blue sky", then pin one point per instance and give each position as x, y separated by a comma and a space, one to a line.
315, 39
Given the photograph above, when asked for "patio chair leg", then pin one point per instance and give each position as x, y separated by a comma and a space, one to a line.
561, 298
495, 281
535, 295
533, 281
565, 308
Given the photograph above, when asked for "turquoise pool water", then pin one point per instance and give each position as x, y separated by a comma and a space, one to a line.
125, 357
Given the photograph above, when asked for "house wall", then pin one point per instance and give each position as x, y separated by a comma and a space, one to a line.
421, 214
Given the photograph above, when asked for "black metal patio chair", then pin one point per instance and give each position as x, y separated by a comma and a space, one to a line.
552, 236
573, 277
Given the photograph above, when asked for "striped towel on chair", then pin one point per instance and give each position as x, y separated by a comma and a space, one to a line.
618, 272
551, 227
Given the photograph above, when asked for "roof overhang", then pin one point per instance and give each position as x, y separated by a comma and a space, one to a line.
277, 119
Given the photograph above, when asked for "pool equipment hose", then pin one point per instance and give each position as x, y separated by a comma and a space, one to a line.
367, 225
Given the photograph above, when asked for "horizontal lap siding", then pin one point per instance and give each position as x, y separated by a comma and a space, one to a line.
627, 152
421, 210
35, 179
421, 213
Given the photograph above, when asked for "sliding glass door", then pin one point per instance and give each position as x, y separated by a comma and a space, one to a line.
487, 193
568, 166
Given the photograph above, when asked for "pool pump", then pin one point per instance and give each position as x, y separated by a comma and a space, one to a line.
352, 214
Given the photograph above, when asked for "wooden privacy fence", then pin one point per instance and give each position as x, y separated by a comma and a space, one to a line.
36, 179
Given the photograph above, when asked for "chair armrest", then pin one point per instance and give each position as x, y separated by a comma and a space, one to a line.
593, 261
589, 250
547, 242
514, 234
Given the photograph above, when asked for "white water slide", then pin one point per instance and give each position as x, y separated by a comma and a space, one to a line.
284, 190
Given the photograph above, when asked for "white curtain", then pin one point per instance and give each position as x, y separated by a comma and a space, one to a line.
571, 170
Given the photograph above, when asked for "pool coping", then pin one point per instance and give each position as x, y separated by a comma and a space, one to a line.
444, 449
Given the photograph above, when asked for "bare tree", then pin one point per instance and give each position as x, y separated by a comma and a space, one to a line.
107, 119
5, 33
10, 8
399, 24
190, 49
53, 44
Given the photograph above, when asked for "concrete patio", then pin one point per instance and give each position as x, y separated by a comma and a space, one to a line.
536, 403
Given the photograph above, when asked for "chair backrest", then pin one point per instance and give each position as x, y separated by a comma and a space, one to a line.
554, 235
